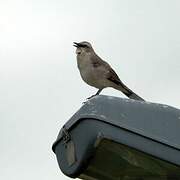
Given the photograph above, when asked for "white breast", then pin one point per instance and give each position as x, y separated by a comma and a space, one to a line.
90, 74
85, 68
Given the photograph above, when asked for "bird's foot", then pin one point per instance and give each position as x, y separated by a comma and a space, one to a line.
87, 99
91, 97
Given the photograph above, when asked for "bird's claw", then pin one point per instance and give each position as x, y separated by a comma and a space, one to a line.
91, 97
87, 99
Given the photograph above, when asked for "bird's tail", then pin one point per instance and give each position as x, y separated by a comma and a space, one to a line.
133, 95
129, 93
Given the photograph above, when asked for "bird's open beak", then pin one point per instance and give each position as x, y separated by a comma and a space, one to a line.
76, 44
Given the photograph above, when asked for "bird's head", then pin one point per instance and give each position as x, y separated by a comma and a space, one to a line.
83, 47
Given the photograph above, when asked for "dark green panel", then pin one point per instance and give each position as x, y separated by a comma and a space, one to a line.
114, 161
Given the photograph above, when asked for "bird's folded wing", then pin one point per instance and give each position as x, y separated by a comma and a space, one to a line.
112, 76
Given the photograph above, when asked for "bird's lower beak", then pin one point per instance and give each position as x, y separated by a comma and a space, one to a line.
76, 44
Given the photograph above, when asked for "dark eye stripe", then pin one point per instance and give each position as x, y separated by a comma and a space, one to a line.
84, 45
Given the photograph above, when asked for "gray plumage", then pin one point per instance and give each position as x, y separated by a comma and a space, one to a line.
98, 73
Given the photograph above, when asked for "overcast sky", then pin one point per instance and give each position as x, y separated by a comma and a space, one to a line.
40, 86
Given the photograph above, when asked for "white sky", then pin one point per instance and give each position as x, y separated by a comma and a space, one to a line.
40, 85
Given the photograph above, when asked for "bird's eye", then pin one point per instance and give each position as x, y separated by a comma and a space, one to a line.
85, 46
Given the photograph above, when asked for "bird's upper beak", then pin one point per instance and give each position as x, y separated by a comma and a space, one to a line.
76, 44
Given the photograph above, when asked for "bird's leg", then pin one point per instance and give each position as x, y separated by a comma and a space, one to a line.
98, 92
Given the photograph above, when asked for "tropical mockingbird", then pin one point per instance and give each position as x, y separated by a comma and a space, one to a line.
98, 73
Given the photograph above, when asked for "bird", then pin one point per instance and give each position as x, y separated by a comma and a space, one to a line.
97, 72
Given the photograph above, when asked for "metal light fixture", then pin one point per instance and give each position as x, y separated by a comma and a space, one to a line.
118, 139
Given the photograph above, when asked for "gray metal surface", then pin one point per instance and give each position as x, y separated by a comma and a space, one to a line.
155, 121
